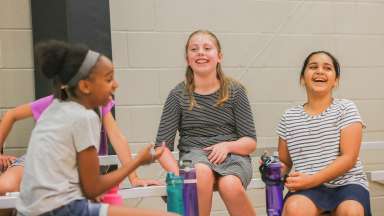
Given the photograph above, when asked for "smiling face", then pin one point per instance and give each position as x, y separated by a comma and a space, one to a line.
203, 54
320, 75
101, 82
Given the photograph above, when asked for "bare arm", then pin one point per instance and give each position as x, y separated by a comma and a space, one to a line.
6, 124
350, 141
284, 157
121, 146
94, 184
242, 146
10, 117
168, 162
119, 142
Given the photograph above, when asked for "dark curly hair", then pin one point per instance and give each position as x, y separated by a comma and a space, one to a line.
60, 61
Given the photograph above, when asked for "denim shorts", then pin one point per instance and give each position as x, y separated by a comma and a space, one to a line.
19, 161
82, 207
328, 199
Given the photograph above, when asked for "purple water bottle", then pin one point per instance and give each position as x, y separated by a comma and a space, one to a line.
103, 149
270, 174
191, 207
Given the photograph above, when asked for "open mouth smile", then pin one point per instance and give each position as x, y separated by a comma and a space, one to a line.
319, 80
201, 61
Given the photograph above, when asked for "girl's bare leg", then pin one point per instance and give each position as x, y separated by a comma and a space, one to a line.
205, 181
10, 180
234, 196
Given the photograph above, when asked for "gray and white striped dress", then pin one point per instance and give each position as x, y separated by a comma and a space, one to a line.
314, 141
206, 125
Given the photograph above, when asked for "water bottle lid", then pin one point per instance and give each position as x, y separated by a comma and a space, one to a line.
185, 163
171, 178
170, 175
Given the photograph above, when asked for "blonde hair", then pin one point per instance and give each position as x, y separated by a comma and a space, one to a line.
225, 82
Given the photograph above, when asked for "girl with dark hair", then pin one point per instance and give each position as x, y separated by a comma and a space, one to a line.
61, 174
214, 119
321, 139
12, 167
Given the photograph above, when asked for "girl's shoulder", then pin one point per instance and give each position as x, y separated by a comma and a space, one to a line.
343, 103
235, 87
38, 106
294, 110
337, 104
178, 93
72, 109
179, 88
345, 106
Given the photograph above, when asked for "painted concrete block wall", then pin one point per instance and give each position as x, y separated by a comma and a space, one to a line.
16, 67
264, 43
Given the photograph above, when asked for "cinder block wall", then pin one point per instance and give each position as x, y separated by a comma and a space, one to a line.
264, 44
16, 67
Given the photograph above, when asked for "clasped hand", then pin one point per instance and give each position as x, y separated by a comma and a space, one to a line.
218, 152
6, 161
146, 157
298, 181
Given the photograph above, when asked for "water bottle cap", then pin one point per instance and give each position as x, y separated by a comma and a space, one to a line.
185, 163
171, 178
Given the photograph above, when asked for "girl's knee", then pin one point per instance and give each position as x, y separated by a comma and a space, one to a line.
350, 208
298, 205
10, 180
205, 177
203, 171
230, 184
7, 185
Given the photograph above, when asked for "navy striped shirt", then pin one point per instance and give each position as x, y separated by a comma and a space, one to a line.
314, 141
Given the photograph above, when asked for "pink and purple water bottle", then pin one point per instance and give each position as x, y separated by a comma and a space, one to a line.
270, 174
112, 197
188, 172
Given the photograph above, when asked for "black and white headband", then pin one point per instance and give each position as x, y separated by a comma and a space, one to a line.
89, 61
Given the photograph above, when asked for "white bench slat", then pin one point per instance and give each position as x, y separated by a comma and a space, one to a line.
157, 191
9, 201
377, 175
127, 193
372, 145
106, 160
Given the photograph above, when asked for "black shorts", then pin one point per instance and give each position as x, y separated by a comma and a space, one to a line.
328, 199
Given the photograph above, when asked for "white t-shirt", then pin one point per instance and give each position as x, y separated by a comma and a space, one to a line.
314, 141
51, 176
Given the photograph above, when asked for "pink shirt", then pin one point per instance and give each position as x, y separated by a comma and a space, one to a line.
38, 106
